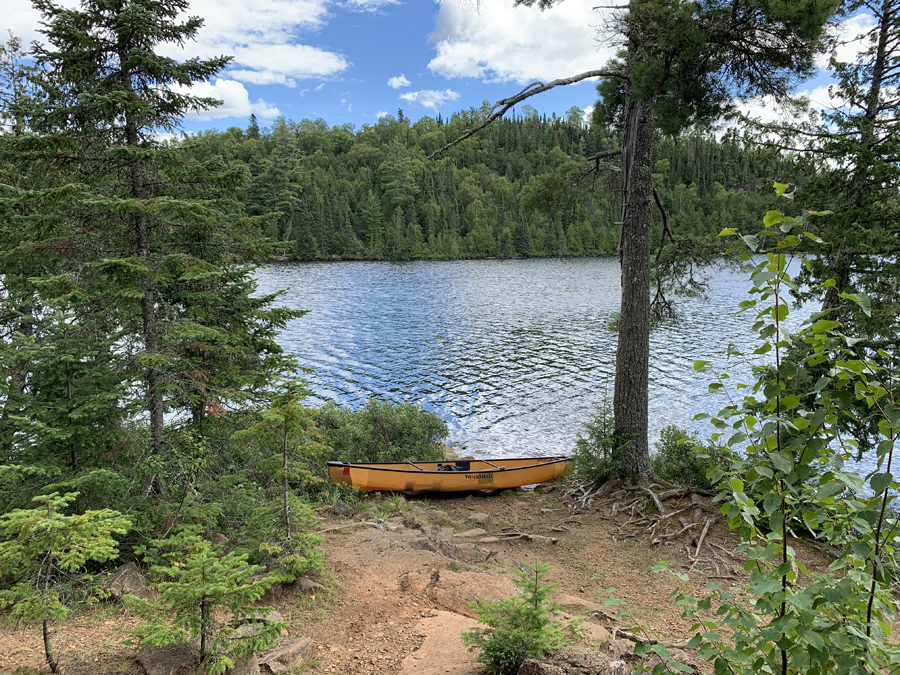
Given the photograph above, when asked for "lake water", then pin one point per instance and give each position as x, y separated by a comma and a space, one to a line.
515, 355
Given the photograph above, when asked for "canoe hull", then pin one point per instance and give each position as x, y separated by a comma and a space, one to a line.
425, 477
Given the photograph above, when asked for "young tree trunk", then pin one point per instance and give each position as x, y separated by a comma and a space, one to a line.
204, 624
284, 478
48, 648
633, 352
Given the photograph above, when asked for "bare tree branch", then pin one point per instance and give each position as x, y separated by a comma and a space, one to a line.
502, 107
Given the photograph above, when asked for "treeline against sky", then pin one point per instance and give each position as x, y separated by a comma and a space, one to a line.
517, 189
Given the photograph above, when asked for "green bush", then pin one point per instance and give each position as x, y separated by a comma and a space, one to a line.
597, 449
381, 432
683, 458
520, 627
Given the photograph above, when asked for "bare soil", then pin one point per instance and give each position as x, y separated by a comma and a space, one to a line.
391, 605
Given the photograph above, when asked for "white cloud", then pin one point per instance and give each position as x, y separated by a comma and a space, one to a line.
284, 63
588, 114
264, 36
320, 86
397, 82
849, 35
430, 98
501, 43
380, 114
369, 5
235, 98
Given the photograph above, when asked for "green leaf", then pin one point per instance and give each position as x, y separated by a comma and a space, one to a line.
880, 482
861, 299
772, 218
752, 241
829, 490
782, 462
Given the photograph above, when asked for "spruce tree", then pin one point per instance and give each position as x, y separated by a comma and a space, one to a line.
124, 228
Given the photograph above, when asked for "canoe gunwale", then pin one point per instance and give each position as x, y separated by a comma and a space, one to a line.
387, 466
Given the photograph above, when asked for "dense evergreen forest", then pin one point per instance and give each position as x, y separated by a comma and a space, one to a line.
514, 190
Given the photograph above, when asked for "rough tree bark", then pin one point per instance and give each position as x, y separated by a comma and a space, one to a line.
630, 396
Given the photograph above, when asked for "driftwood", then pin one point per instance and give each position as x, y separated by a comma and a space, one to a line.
524, 536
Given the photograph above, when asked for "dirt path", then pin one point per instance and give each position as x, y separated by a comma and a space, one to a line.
396, 598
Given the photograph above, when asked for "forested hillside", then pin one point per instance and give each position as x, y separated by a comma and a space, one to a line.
373, 192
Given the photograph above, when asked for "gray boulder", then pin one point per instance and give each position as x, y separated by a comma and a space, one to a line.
576, 661
128, 580
290, 653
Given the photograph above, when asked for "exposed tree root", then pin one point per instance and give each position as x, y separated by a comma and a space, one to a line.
657, 514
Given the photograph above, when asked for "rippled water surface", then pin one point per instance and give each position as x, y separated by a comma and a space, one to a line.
514, 354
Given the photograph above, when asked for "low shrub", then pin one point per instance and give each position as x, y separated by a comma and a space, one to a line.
597, 449
683, 458
381, 432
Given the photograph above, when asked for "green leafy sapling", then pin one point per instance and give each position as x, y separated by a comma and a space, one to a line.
787, 618
202, 589
520, 627
43, 556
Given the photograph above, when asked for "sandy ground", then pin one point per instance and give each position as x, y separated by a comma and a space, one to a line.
396, 598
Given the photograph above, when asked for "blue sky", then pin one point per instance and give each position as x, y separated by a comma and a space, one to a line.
350, 61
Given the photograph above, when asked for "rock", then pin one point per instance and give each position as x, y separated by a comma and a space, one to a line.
308, 586
263, 615
417, 510
167, 660
343, 510
251, 667
471, 553
455, 590
430, 542
546, 489
576, 661
619, 649
412, 523
545, 512
290, 653
478, 532
220, 539
479, 517
442, 652
273, 593
489, 540
246, 630
128, 580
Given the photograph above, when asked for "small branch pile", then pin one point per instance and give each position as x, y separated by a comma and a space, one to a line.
645, 512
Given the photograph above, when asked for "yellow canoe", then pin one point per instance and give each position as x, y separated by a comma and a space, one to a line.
449, 475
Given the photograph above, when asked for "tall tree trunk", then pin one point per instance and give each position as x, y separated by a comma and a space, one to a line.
633, 351
149, 318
